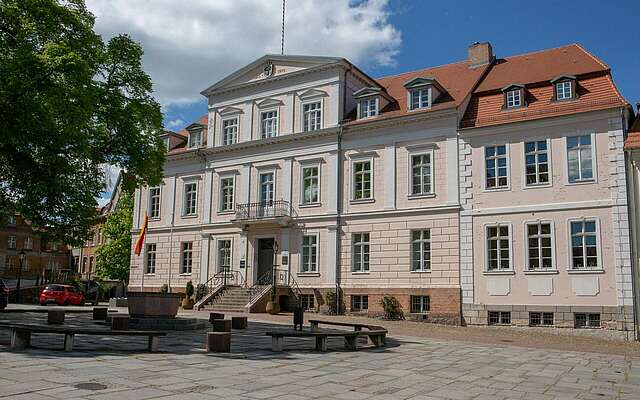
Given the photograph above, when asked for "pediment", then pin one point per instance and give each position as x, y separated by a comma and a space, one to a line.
420, 82
367, 91
195, 127
312, 94
269, 103
513, 86
230, 111
563, 78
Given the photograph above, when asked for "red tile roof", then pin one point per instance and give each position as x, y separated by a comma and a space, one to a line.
182, 147
595, 88
633, 138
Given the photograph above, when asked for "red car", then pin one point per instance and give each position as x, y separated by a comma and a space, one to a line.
62, 295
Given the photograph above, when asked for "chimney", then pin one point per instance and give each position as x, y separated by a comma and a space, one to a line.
480, 54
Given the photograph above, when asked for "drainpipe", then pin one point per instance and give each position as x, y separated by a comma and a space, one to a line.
173, 217
632, 190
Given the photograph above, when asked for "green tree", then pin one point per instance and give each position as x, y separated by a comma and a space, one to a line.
70, 104
114, 257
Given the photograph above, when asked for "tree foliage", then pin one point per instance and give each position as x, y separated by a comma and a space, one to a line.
114, 257
70, 104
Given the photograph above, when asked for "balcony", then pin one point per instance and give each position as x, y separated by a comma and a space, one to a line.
278, 212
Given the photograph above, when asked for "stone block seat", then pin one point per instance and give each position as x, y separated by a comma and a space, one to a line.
55, 317
239, 322
222, 325
100, 313
218, 342
214, 315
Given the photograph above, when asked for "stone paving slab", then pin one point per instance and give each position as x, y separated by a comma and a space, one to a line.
409, 368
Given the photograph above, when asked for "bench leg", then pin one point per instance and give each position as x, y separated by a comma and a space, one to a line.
314, 326
68, 342
376, 340
154, 341
321, 343
277, 343
351, 342
20, 339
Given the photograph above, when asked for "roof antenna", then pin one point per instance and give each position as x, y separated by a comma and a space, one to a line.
282, 40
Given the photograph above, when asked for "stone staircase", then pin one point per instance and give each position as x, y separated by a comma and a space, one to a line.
231, 299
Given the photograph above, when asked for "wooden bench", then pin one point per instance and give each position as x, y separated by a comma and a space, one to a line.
377, 334
21, 334
277, 338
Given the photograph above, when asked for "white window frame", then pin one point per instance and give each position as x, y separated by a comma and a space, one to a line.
190, 140
275, 183
353, 253
558, 85
302, 181
147, 258
360, 302
484, 168
28, 243
301, 271
525, 235
219, 253
183, 251
150, 204
236, 125
355, 161
167, 143
524, 164
184, 199
422, 242
600, 267
421, 105
221, 201
276, 123
303, 118
432, 192
12, 242
313, 301
594, 163
370, 112
514, 98
485, 239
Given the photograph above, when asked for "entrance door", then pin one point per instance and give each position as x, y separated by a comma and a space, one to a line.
265, 258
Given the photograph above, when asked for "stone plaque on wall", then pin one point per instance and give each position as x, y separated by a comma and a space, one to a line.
498, 286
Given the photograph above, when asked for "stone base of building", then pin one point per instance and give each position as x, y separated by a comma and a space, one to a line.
612, 318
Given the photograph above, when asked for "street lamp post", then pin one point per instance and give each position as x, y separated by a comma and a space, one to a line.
22, 256
275, 259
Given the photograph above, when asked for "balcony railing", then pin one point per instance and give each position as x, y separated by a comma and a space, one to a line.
264, 210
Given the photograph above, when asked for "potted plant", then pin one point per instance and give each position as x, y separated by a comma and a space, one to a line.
160, 304
273, 306
187, 302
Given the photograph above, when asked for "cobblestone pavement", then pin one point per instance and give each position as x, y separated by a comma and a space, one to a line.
409, 368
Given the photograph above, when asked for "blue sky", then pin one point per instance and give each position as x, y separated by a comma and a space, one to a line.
435, 33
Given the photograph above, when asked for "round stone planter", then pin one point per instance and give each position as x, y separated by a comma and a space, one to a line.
150, 304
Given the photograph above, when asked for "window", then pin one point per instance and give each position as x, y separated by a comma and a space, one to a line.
269, 124
499, 318
420, 304
11, 220
580, 158
368, 108
84, 264
310, 185
359, 303
167, 143
308, 302
186, 261
539, 246
362, 180
540, 319
90, 264
230, 131
224, 255
267, 188
312, 116
421, 250
26, 265
587, 320
360, 252
499, 252
536, 162
154, 202
309, 253
421, 174
28, 243
496, 166
9, 263
195, 139
151, 259
420, 99
226, 194
11, 242
584, 244
563, 90
190, 199
514, 98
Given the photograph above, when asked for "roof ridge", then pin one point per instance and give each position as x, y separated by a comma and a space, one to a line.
541, 51
596, 59
420, 69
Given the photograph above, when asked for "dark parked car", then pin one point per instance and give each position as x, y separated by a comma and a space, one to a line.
62, 295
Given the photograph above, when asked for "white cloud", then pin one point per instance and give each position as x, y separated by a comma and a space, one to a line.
175, 123
190, 45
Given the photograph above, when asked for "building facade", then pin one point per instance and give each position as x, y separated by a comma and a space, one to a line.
419, 186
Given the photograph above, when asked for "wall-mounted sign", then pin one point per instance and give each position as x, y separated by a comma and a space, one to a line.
285, 258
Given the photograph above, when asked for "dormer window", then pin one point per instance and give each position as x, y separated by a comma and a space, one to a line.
564, 87
368, 108
514, 98
563, 90
195, 139
420, 98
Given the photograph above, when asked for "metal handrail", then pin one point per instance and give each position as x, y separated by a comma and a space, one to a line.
269, 278
226, 278
260, 210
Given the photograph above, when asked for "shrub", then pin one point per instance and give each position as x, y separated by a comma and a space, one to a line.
189, 289
330, 302
164, 288
392, 308
201, 291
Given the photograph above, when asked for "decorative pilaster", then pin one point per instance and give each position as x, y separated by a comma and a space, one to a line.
390, 177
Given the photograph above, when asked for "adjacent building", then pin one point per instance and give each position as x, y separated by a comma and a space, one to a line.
487, 191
